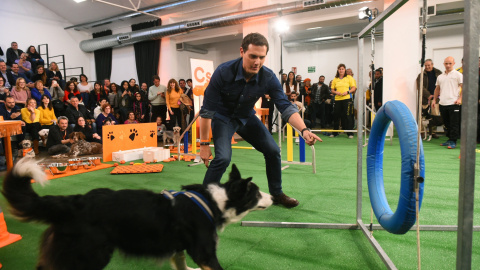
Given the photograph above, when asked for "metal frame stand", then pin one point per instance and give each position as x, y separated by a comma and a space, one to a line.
467, 164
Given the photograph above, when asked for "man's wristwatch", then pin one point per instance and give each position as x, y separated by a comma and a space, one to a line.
304, 130
205, 143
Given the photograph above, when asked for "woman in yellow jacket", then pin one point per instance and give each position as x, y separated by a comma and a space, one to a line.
343, 87
174, 92
31, 117
47, 115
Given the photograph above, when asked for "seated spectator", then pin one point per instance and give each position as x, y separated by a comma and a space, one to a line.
54, 73
4, 92
47, 114
34, 57
58, 141
95, 96
301, 108
40, 75
114, 96
25, 67
38, 91
20, 93
84, 87
11, 112
71, 91
131, 119
4, 75
13, 53
87, 130
75, 110
160, 128
14, 75
31, 117
56, 91
140, 108
106, 113
98, 110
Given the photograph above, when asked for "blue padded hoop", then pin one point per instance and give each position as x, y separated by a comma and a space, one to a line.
404, 217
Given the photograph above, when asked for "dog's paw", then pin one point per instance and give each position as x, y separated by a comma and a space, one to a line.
110, 136
133, 134
152, 133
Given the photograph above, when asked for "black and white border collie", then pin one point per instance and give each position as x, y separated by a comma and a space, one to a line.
86, 229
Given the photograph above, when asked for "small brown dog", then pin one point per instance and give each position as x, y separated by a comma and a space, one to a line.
81, 147
172, 135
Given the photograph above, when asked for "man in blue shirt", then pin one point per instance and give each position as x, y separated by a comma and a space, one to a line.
228, 107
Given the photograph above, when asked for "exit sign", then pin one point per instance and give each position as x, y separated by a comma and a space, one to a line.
311, 69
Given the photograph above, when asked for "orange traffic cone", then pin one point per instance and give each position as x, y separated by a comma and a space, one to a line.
6, 238
233, 139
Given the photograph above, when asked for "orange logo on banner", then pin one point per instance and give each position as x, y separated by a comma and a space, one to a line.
200, 90
127, 137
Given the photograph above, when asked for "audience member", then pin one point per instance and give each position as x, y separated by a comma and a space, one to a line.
13, 53
156, 95
106, 113
25, 67
3, 72
55, 74
75, 110
71, 91
140, 108
58, 141
131, 119
267, 102
143, 91
301, 108
34, 57
47, 114
114, 96
319, 94
342, 87
173, 104
95, 96
38, 91
90, 136
290, 85
106, 84
4, 92
20, 92
56, 91
31, 117
40, 74
448, 88
13, 75
10, 111
133, 86
160, 128
85, 88
98, 110
378, 89
126, 101
284, 78
189, 93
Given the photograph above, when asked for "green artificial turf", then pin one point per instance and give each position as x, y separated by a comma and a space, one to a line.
329, 196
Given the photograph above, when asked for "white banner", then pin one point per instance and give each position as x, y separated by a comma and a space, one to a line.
202, 71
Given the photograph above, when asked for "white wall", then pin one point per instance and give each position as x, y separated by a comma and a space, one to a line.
29, 23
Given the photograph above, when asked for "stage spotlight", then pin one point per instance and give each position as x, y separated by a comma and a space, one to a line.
364, 13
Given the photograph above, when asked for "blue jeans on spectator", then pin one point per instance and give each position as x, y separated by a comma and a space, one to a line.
85, 98
255, 133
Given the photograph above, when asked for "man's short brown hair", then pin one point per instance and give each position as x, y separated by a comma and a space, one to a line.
256, 39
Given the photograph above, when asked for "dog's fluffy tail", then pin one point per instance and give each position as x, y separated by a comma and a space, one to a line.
24, 201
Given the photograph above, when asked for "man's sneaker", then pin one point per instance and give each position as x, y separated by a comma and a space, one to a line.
447, 143
350, 137
452, 145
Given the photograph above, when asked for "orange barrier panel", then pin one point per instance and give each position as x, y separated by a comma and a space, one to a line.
127, 137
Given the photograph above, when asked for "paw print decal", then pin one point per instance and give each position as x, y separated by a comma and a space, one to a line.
133, 134
153, 133
110, 136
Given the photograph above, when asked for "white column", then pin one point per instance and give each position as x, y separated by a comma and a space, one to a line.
401, 54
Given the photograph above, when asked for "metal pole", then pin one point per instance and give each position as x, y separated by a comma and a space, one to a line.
360, 111
468, 135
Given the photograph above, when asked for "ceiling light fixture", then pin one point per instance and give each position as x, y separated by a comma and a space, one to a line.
78, 1
364, 13
313, 28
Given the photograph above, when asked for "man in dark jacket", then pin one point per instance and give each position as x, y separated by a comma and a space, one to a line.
75, 110
13, 53
319, 94
378, 89
58, 141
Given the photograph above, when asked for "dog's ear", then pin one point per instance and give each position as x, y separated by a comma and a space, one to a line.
249, 179
235, 173
82, 136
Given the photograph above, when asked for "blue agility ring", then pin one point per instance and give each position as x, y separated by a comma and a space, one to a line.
404, 217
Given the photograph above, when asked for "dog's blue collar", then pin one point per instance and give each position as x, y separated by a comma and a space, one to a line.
196, 197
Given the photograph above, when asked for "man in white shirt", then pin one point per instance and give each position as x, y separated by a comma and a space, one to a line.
448, 88
156, 95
